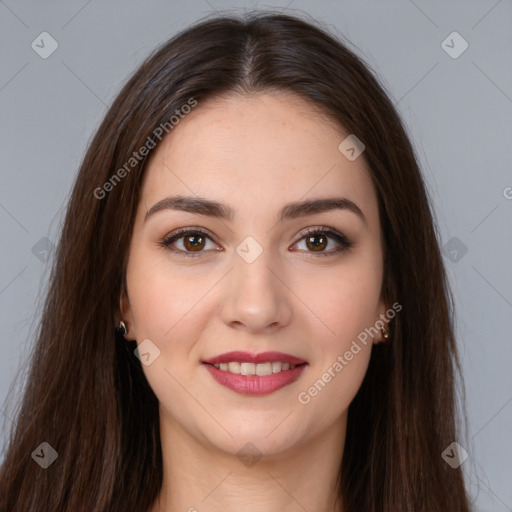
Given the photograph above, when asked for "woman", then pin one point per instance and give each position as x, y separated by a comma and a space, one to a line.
248, 307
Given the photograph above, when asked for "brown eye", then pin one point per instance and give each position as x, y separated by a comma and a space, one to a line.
316, 242
194, 242
188, 242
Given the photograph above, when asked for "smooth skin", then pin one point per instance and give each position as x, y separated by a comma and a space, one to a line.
253, 153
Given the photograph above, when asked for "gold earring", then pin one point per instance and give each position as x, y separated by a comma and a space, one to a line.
122, 328
385, 333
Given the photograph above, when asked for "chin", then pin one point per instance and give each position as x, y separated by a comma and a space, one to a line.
253, 440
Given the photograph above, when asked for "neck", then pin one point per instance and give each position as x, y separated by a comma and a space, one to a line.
200, 477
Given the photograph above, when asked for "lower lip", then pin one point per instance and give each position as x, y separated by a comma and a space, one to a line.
255, 384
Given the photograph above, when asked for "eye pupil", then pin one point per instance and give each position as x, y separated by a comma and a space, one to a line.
317, 246
191, 245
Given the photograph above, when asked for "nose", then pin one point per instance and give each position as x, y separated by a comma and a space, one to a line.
256, 298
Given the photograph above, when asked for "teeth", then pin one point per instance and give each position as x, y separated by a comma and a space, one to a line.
248, 369
264, 369
276, 366
234, 367
260, 369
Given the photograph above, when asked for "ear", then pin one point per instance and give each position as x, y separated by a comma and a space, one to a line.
381, 311
124, 313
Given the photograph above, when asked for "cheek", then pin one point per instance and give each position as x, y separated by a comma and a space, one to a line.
164, 296
342, 348
343, 300
167, 309
332, 390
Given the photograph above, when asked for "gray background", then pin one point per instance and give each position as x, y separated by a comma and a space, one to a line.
458, 111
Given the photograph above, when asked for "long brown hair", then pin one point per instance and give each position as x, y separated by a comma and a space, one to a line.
86, 395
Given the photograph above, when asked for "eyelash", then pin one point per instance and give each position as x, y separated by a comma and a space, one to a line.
344, 242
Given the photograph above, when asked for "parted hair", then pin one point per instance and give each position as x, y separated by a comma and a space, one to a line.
87, 396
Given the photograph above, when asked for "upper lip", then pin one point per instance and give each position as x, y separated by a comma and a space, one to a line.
248, 357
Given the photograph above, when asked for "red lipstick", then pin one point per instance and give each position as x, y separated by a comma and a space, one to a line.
255, 384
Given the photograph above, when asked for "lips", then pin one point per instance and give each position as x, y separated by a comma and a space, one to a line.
249, 384
247, 357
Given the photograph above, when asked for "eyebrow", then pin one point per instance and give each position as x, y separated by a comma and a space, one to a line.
202, 206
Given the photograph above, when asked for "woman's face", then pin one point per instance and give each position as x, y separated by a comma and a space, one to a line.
254, 281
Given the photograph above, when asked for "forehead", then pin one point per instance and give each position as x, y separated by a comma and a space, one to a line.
256, 153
